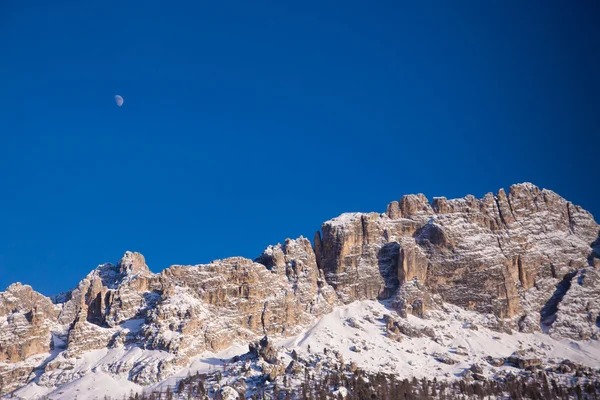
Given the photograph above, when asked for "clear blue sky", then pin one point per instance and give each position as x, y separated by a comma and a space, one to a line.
248, 122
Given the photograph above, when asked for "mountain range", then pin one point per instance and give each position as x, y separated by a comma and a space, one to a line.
406, 290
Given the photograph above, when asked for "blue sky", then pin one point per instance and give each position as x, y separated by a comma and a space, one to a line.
245, 123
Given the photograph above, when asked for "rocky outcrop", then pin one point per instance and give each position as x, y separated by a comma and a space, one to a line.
26, 321
110, 294
26, 318
265, 350
296, 260
352, 253
582, 300
183, 310
444, 358
524, 359
227, 393
503, 254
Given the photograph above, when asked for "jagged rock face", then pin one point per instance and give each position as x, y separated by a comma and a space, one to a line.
296, 260
188, 309
111, 293
232, 298
353, 254
502, 254
183, 310
582, 299
133, 264
25, 319
527, 256
238, 298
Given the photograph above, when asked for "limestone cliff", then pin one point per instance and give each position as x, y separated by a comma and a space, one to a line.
528, 258
502, 254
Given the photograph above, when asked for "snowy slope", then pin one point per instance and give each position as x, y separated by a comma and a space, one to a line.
358, 333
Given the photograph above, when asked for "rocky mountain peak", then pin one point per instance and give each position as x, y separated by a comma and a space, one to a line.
413, 204
132, 263
17, 288
501, 254
527, 260
22, 298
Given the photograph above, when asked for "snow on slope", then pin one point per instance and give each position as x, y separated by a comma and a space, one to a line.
94, 385
413, 356
358, 332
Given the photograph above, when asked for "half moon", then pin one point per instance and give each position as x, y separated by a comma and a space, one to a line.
119, 100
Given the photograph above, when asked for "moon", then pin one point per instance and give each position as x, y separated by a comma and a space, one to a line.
119, 100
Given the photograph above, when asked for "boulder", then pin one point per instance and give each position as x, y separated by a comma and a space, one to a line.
444, 358
227, 393
524, 359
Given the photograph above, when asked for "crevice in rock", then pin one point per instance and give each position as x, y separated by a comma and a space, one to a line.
262, 318
512, 211
581, 277
318, 249
365, 231
29, 316
94, 311
595, 253
548, 312
510, 207
522, 277
500, 213
291, 271
571, 221
387, 259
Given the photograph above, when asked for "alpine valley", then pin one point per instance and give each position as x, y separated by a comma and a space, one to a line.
497, 297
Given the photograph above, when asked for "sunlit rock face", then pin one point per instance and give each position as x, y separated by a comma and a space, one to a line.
26, 318
504, 254
183, 310
528, 258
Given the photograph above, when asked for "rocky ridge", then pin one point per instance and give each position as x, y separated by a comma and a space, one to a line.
527, 260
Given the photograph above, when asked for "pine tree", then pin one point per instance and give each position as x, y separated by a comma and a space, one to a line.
201, 390
578, 392
190, 391
546, 389
424, 388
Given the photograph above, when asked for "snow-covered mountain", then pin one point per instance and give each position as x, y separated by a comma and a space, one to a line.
424, 289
